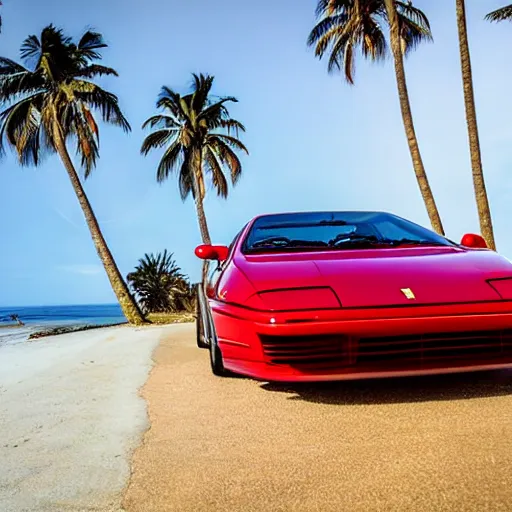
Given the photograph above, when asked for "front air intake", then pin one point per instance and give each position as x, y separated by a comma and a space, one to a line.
306, 350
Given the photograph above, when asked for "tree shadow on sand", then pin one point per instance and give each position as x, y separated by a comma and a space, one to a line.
462, 386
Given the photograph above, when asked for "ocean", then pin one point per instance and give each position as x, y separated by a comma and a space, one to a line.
36, 318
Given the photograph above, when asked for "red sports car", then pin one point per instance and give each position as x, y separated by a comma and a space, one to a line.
350, 295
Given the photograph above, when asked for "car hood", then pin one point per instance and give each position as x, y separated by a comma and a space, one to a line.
376, 277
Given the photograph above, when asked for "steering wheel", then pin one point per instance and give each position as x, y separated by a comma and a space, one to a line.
342, 238
272, 240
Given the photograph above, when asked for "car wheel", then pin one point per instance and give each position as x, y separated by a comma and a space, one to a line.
200, 334
216, 361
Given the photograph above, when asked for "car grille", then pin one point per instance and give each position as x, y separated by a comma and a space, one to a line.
305, 350
414, 351
433, 347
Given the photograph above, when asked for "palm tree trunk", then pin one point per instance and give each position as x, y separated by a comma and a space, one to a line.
198, 198
129, 307
405, 106
201, 219
482, 201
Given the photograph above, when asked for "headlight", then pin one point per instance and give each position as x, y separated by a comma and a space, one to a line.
503, 287
296, 299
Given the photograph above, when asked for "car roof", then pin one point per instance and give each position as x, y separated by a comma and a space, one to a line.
321, 212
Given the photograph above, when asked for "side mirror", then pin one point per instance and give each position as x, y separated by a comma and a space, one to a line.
473, 241
212, 252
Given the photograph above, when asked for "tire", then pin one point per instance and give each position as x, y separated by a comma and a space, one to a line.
216, 360
200, 334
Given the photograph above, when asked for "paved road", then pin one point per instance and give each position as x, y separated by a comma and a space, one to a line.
399, 445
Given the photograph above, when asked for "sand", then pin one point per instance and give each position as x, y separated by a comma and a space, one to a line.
410, 444
70, 417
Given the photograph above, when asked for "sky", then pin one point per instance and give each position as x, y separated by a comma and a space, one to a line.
315, 142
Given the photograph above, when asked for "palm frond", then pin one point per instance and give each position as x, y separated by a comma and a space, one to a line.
232, 125
502, 14
10, 67
21, 129
373, 43
217, 110
31, 49
83, 127
414, 14
27, 139
349, 63
413, 25
157, 139
107, 104
186, 176
231, 141
161, 121
87, 148
324, 27
18, 84
329, 7
337, 56
88, 45
228, 158
202, 87
218, 179
321, 7
171, 100
94, 70
170, 161
89, 118
327, 40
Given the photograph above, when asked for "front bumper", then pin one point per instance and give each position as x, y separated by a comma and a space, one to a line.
348, 344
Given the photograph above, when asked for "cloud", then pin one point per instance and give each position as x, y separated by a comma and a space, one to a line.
86, 270
65, 217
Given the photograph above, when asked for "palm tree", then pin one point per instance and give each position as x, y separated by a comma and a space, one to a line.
195, 131
346, 25
160, 286
48, 104
482, 201
502, 14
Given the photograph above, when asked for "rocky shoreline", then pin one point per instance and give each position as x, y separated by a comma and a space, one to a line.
54, 331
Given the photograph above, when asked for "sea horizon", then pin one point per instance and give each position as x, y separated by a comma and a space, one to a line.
37, 318
58, 305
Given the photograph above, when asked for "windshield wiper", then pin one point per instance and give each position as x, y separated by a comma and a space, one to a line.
344, 240
282, 242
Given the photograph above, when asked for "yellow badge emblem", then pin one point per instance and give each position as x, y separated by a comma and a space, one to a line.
408, 293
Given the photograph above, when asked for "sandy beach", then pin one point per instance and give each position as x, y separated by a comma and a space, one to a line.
441, 443
70, 417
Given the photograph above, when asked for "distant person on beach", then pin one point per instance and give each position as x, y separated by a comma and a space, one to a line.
16, 318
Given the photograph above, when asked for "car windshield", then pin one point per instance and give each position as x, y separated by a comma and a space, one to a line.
336, 231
